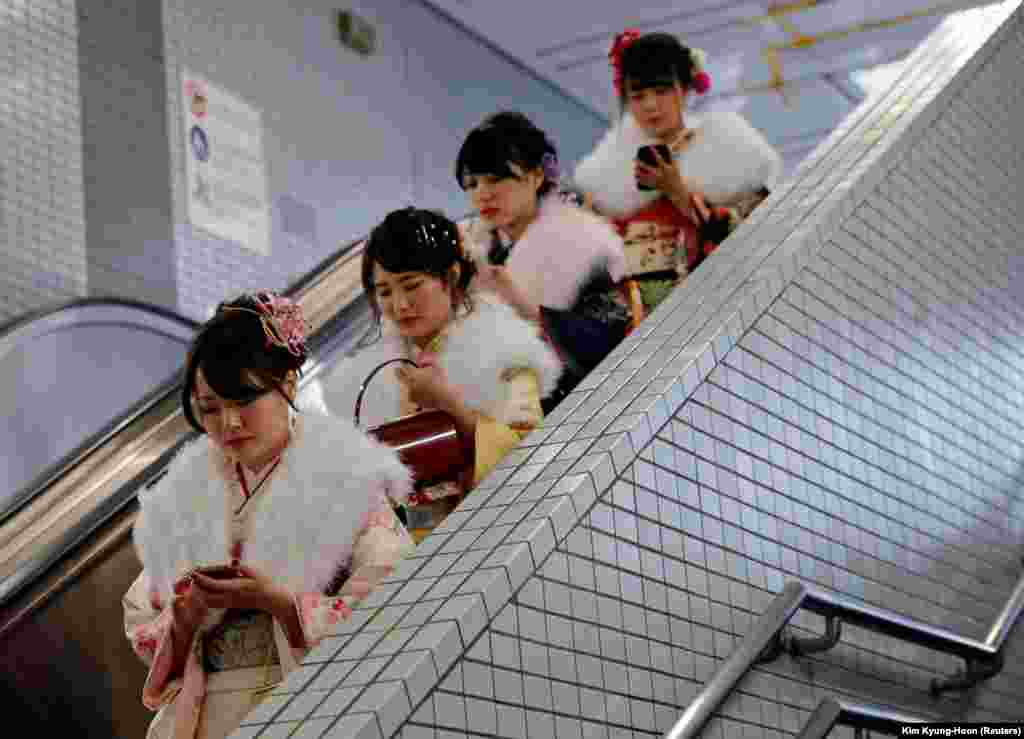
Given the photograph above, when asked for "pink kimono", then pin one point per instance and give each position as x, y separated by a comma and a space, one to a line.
322, 524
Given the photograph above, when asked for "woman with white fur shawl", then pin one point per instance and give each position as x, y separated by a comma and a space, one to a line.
262, 535
557, 264
672, 211
477, 361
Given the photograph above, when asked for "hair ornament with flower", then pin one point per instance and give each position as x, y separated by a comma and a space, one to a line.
622, 42
282, 321
549, 163
701, 78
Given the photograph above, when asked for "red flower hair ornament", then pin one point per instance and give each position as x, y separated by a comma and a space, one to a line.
282, 321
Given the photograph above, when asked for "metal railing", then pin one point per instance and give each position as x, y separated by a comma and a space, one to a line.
832, 712
767, 640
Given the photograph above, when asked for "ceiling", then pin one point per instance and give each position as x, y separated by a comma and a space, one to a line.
794, 69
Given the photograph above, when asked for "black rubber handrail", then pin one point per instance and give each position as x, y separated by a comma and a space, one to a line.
23, 320
767, 640
832, 712
60, 467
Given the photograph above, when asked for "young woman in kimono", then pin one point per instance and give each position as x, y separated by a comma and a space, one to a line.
717, 161
262, 535
558, 265
478, 361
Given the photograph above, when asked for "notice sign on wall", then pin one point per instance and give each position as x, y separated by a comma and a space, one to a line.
227, 179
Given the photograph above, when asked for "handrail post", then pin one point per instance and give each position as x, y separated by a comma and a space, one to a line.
864, 717
1007, 617
822, 720
782, 608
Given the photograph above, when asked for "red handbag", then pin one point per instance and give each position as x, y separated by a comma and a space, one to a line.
428, 443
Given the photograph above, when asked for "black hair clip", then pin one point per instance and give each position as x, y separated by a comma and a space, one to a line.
433, 234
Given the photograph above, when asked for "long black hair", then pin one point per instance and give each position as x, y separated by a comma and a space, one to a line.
237, 361
415, 240
655, 60
502, 139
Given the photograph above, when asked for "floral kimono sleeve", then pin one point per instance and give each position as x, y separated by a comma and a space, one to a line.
380, 544
147, 623
518, 413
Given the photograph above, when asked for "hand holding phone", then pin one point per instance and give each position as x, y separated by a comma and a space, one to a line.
220, 572
646, 155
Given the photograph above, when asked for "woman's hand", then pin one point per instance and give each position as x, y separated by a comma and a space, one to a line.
663, 177
189, 605
251, 590
500, 281
667, 179
428, 386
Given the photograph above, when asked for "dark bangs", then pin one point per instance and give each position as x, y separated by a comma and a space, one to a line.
656, 60
413, 240
488, 150
237, 364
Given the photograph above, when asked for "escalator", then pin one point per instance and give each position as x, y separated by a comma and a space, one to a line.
120, 350
66, 556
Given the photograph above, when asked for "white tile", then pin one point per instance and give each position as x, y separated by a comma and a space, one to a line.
467, 612
361, 726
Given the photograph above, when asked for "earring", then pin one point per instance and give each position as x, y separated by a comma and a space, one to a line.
292, 417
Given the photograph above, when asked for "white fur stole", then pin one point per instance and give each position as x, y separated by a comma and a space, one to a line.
727, 157
560, 251
329, 477
477, 349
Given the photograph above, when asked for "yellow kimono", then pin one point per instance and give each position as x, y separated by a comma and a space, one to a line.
498, 363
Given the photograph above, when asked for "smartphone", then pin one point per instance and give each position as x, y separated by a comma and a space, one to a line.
219, 572
646, 155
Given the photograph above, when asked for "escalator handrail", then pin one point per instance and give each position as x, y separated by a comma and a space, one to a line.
21, 321
832, 712
56, 469
765, 634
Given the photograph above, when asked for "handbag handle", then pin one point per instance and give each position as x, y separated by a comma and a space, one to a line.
378, 368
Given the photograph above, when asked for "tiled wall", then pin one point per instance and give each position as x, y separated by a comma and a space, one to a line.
42, 229
835, 397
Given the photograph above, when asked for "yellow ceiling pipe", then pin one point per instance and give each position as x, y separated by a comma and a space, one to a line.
780, 14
